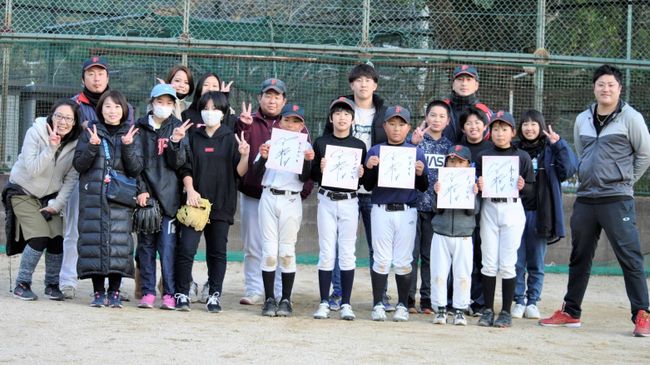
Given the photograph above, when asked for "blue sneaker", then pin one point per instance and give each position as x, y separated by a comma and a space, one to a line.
99, 300
114, 300
335, 302
387, 306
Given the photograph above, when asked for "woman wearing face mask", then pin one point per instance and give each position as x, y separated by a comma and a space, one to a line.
163, 148
217, 159
208, 82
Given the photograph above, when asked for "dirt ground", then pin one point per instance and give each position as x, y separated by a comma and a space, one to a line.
72, 332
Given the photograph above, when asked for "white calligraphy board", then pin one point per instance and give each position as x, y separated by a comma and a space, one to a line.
342, 167
396, 167
287, 152
500, 175
456, 188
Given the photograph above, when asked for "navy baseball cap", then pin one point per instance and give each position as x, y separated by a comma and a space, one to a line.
398, 111
342, 100
466, 70
503, 116
163, 89
460, 151
96, 61
293, 110
274, 84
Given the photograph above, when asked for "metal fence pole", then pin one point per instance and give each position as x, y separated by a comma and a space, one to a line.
6, 56
540, 43
628, 51
365, 29
185, 35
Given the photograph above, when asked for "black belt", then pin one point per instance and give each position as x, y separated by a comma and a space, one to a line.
395, 207
336, 195
503, 200
283, 192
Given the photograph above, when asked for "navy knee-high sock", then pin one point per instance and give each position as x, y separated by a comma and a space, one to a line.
347, 279
324, 280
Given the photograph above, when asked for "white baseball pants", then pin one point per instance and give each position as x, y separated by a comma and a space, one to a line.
393, 238
337, 224
502, 225
445, 252
280, 217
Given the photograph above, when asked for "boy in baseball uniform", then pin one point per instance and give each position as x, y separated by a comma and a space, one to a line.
280, 215
394, 217
338, 210
452, 245
502, 223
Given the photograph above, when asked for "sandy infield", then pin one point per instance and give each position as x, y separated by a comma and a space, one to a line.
72, 332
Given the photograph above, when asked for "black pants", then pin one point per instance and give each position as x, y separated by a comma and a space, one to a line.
618, 219
216, 241
421, 253
476, 293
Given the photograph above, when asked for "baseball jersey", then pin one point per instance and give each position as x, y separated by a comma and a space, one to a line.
434, 152
319, 152
525, 164
382, 195
283, 180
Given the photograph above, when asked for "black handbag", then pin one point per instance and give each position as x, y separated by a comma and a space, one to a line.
120, 188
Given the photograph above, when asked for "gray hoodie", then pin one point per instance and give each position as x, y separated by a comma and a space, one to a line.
610, 163
37, 170
455, 222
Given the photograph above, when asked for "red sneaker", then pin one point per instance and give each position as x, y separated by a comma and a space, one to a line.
642, 324
560, 319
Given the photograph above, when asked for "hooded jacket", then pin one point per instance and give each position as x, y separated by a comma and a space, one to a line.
105, 242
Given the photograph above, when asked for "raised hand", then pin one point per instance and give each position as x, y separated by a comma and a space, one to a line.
179, 132
160, 81
418, 133
94, 137
54, 138
246, 116
552, 136
128, 137
225, 88
244, 148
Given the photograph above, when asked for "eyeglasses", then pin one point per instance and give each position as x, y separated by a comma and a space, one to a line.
61, 117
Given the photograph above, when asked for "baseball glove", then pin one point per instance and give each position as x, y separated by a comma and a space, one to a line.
147, 219
195, 217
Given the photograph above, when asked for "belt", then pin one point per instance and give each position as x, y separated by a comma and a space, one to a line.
395, 207
282, 192
503, 200
336, 195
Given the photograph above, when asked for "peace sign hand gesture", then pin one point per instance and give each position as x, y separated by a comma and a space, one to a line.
246, 116
94, 137
552, 136
244, 147
54, 138
418, 133
128, 137
179, 132
225, 88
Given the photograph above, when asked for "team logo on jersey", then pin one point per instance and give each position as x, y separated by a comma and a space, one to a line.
162, 144
209, 149
434, 161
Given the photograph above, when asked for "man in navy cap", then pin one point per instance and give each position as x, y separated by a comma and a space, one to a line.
463, 95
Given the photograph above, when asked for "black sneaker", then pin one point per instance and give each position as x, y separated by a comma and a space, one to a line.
504, 320
182, 302
53, 292
284, 308
476, 310
114, 299
23, 291
270, 308
487, 318
213, 304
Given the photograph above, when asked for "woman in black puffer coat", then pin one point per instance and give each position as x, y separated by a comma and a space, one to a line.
105, 240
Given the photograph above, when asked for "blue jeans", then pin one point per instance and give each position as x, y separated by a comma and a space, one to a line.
163, 242
530, 259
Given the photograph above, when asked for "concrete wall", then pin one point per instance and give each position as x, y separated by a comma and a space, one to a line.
558, 253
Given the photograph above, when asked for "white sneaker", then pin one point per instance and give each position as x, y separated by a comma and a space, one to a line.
205, 292
532, 312
401, 314
378, 313
323, 311
194, 292
347, 313
441, 317
251, 299
68, 291
518, 311
459, 318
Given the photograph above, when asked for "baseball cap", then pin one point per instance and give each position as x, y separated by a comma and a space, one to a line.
274, 84
96, 61
398, 111
163, 89
503, 116
466, 70
293, 110
342, 100
460, 151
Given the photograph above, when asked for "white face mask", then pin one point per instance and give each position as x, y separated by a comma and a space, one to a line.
212, 118
162, 112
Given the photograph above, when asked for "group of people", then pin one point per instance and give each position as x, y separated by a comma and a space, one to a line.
62, 200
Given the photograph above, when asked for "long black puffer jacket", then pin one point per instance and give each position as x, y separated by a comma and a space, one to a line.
105, 241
